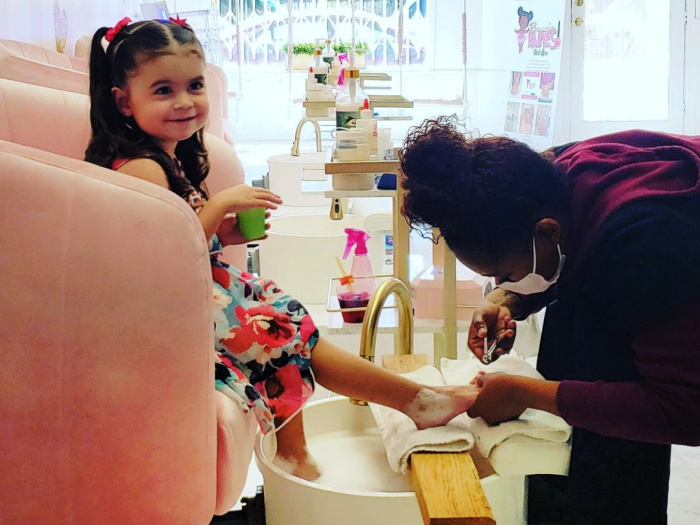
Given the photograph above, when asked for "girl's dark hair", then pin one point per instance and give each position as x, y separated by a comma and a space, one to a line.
484, 194
116, 136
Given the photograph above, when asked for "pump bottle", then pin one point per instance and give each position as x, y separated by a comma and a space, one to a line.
320, 67
349, 101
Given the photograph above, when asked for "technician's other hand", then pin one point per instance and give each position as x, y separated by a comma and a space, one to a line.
492, 320
500, 398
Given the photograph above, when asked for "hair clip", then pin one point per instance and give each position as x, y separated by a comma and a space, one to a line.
113, 31
179, 21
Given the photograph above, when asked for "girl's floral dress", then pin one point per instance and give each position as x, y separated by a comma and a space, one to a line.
263, 339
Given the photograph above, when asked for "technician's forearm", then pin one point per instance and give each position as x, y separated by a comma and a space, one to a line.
539, 394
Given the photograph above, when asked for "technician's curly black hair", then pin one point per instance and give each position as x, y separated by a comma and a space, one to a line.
485, 194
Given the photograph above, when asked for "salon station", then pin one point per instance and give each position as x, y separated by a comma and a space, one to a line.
397, 134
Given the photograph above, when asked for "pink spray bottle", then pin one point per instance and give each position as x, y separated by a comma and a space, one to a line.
357, 293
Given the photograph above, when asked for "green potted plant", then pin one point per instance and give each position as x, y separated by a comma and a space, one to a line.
302, 55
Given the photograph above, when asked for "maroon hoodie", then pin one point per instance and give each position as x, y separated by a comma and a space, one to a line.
608, 173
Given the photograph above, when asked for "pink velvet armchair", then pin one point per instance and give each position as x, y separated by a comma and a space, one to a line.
108, 413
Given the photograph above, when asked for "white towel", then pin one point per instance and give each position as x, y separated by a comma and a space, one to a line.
402, 438
533, 423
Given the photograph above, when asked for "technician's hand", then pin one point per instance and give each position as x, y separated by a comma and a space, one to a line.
229, 233
500, 398
492, 320
243, 197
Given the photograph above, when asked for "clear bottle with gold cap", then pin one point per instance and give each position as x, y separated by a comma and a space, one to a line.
350, 100
328, 53
320, 67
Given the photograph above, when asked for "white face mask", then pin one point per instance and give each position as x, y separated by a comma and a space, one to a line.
533, 282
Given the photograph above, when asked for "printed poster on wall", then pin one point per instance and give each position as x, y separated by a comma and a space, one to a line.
534, 61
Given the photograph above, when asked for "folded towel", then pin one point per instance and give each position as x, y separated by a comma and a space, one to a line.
533, 423
402, 438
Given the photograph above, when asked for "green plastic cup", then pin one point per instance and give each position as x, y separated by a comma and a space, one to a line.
252, 223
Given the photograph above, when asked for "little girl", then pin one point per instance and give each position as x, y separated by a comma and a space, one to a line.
148, 114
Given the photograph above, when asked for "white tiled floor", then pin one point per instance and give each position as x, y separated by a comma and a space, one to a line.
684, 505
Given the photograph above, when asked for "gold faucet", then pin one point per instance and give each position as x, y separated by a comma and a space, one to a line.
370, 326
297, 135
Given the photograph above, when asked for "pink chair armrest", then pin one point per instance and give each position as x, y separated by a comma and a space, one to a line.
107, 401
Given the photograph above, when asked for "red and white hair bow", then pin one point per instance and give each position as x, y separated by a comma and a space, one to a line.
114, 31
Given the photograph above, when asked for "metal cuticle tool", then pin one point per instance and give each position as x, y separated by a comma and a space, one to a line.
488, 352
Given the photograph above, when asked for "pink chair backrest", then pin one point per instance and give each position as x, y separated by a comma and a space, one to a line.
44, 118
22, 69
107, 400
82, 46
223, 80
38, 53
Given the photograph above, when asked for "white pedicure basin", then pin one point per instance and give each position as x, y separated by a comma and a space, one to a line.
357, 486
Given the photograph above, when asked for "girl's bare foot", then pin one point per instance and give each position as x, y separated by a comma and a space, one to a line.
435, 406
299, 464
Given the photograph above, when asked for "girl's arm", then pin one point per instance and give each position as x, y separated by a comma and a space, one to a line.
145, 169
230, 200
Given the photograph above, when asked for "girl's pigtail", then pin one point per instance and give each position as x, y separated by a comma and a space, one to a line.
103, 110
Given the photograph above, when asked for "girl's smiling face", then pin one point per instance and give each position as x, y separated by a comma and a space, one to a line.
166, 96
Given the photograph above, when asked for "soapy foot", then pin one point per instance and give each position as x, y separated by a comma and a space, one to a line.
300, 465
436, 406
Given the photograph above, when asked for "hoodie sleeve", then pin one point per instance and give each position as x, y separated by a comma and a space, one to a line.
647, 273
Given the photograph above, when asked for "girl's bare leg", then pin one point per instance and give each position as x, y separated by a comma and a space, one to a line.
292, 455
350, 375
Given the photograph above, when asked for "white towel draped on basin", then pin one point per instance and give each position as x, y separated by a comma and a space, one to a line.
533, 423
402, 438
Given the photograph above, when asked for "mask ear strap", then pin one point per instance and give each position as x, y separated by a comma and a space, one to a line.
534, 256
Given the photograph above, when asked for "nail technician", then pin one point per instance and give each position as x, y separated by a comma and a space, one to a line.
604, 233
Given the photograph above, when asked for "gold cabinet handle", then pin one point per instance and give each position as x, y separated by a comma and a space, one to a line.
578, 21
579, 3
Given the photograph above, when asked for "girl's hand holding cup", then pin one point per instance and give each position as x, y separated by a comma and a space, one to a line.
243, 197
251, 207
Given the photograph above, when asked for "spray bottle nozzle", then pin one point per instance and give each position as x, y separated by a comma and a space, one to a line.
366, 104
357, 238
